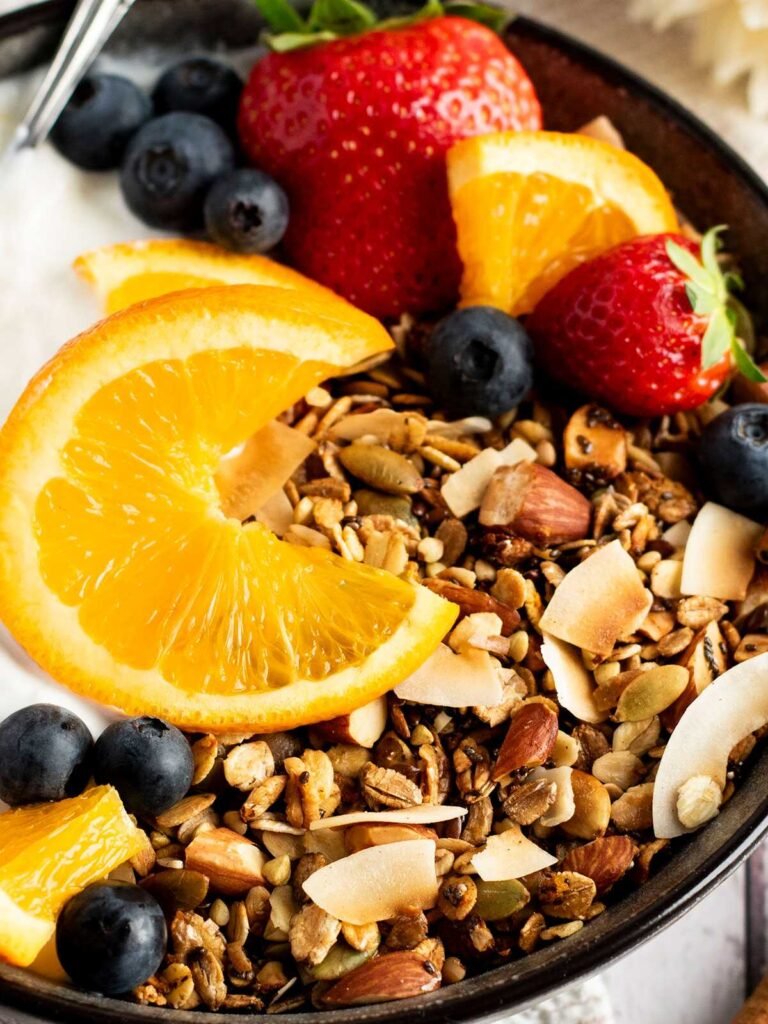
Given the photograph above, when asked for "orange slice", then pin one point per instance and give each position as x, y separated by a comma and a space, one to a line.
119, 570
134, 271
529, 206
49, 852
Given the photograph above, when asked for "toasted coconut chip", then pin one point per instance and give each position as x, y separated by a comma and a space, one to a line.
455, 680
564, 807
424, 814
575, 686
274, 825
463, 490
678, 534
597, 602
276, 513
378, 883
732, 707
510, 855
328, 841
720, 554
255, 471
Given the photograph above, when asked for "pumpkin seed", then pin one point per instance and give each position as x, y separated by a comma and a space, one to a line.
381, 468
497, 900
180, 889
651, 692
373, 503
340, 961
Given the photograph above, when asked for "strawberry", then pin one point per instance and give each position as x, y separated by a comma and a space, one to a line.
647, 328
356, 129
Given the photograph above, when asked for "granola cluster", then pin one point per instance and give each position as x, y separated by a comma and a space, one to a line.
392, 484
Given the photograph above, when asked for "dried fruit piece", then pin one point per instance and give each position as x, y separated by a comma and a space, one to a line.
595, 446
735, 705
604, 860
574, 685
453, 680
719, 557
529, 740
579, 612
510, 855
536, 504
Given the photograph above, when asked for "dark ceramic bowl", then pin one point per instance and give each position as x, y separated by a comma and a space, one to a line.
712, 186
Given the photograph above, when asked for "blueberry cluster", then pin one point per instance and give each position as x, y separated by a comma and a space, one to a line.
177, 152
112, 936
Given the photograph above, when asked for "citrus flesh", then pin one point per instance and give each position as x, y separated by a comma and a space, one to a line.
49, 852
121, 574
132, 272
529, 206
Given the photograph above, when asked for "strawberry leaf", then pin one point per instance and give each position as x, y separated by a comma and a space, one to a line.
492, 17
745, 363
341, 17
718, 338
281, 16
687, 264
287, 41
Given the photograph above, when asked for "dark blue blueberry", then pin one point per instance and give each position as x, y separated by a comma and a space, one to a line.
733, 453
169, 166
148, 761
111, 937
102, 116
480, 362
45, 754
246, 211
201, 86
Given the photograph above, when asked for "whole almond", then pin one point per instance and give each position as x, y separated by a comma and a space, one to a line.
392, 976
232, 863
604, 860
593, 807
471, 601
651, 692
381, 468
529, 741
536, 504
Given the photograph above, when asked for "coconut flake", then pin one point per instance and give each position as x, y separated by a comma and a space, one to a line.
460, 428
730, 708
574, 685
678, 534
510, 855
564, 807
463, 490
276, 513
424, 814
378, 883
720, 554
455, 680
599, 601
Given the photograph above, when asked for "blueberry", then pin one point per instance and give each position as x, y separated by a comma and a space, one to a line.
246, 211
733, 453
103, 114
45, 754
480, 362
169, 166
148, 761
111, 937
201, 86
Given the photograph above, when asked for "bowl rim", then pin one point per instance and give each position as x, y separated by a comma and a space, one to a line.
715, 852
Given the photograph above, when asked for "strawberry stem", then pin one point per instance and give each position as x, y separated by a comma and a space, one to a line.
708, 291
333, 19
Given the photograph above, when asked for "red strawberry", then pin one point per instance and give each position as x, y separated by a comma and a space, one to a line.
647, 327
355, 130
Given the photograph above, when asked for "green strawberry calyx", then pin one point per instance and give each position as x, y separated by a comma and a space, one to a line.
332, 19
709, 291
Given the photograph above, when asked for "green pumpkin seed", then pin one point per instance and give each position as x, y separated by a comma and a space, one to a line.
373, 503
651, 693
381, 468
497, 900
340, 961
181, 889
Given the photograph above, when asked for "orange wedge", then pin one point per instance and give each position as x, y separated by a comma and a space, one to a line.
529, 206
49, 852
120, 572
134, 271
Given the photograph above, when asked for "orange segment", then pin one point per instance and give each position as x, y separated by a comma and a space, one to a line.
529, 206
119, 570
135, 271
49, 852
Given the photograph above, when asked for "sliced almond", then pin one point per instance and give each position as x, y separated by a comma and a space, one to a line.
564, 805
678, 534
599, 601
423, 814
720, 554
363, 726
378, 883
463, 490
510, 855
734, 706
453, 680
574, 685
